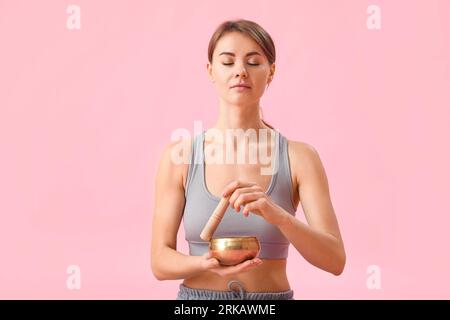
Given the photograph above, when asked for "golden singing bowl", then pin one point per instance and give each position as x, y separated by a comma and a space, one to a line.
234, 250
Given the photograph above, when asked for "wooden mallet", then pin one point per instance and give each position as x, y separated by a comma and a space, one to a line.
211, 226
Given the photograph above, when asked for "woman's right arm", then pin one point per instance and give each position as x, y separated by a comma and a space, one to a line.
166, 262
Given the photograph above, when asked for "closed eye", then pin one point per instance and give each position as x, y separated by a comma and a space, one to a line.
251, 64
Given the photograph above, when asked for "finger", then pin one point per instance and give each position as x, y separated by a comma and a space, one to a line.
207, 255
257, 205
212, 263
234, 185
249, 264
249, 207
239, 268
229, 270
246, 198
252, 207
236, 193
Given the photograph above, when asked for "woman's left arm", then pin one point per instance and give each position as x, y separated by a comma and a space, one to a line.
319, 241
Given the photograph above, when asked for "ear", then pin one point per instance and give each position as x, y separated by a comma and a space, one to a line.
209, 70
271, 73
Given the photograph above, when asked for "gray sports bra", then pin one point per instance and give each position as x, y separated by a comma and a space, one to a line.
200, 204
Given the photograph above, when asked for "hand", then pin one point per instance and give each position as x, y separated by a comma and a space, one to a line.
208, 263
255, 200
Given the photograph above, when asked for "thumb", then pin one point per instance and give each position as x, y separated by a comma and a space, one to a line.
210, 261
213, 263
207, 255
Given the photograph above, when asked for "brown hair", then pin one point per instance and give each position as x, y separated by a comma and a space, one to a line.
250, 28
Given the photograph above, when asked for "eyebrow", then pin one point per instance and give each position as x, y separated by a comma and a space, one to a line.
252, 53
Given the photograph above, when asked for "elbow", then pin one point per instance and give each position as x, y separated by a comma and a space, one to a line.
158, 275
157, 272
339, 264
338, 270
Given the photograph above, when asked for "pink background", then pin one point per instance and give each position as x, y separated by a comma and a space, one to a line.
84, 115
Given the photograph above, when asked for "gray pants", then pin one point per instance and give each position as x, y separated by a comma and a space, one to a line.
236, 293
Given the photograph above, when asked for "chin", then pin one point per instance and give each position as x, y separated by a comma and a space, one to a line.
241, 99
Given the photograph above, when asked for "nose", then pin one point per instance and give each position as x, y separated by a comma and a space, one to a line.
242, 72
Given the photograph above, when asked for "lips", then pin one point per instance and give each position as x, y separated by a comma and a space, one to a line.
241, 85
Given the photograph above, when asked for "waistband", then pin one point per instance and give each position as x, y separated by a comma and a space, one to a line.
237, 292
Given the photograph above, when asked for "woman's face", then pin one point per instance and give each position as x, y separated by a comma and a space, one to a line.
237, 58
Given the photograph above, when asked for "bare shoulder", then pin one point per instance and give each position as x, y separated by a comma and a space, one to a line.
174, 160
304, 159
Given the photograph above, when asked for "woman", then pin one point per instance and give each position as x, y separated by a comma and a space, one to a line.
241, 64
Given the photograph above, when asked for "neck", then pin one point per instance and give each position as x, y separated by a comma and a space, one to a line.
239, 116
